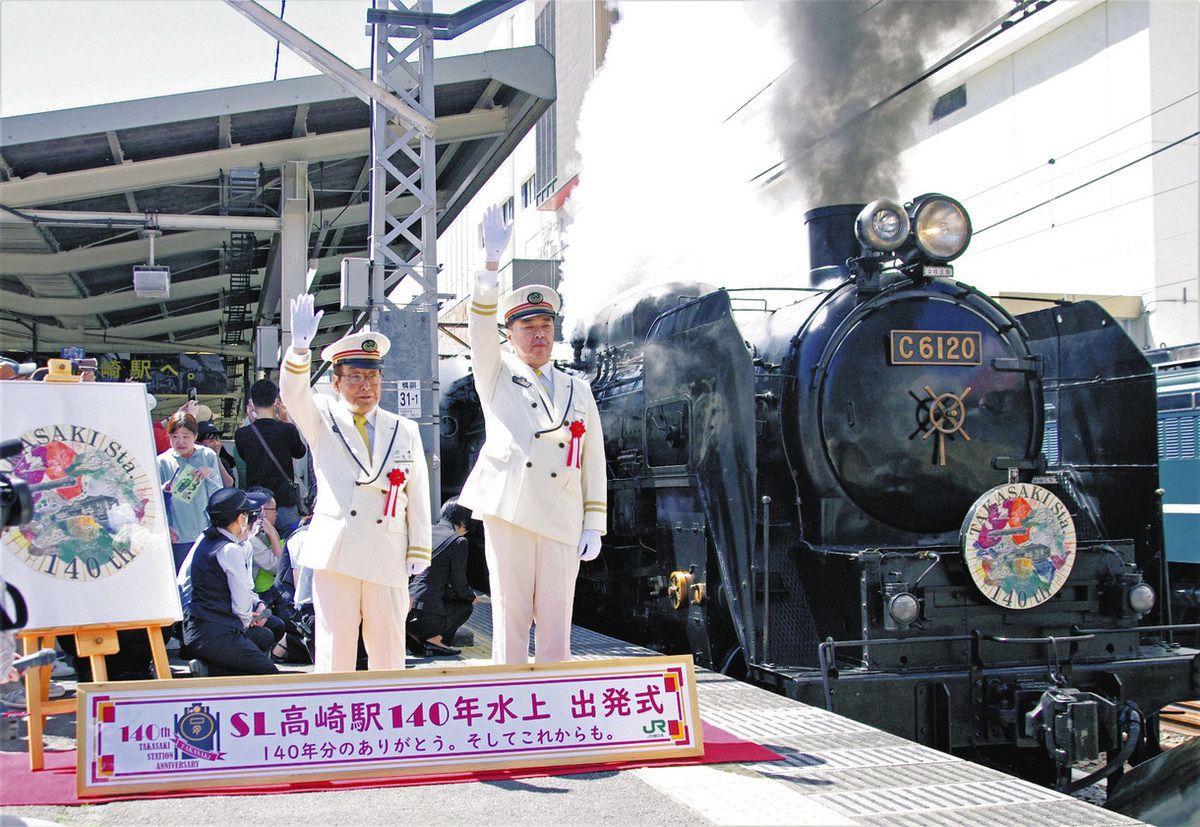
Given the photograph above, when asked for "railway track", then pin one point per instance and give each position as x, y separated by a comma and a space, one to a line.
1183, 717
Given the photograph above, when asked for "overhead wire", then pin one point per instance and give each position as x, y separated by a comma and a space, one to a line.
275, 76
1029, 7
1098, 178
1086, 216
1059, 156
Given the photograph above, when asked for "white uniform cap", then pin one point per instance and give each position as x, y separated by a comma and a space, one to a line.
529, 300
359, 350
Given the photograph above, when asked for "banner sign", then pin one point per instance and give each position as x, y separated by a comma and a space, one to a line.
278, 729
166, 373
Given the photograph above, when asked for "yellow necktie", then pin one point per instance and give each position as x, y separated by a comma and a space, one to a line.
545, 380
360, 422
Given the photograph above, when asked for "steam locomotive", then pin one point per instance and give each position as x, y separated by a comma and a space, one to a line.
846, 498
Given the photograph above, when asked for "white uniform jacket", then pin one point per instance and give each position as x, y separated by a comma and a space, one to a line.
527, 469
350, 532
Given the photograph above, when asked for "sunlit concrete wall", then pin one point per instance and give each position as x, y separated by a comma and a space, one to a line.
1049, 156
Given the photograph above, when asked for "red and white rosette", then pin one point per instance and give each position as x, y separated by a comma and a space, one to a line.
396, 477
575, 448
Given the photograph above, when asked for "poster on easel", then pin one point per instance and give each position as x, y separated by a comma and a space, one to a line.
97, 550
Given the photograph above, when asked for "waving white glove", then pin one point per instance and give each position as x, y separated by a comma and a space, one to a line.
496, 233
589, 544
304, 322
415, 567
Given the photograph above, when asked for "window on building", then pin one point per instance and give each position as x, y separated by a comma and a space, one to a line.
546, 130
952, 101
527, 192
507, 209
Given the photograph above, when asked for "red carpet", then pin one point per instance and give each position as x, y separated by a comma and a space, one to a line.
55, 785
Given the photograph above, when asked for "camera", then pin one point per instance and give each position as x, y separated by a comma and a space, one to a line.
16, 500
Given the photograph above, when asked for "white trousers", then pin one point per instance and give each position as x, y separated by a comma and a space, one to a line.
533, 582
341, 603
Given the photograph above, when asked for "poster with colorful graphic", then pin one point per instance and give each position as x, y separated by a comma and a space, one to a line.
95, 548
272, 729
187, 483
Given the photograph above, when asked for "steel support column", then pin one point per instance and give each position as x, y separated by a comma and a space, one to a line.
403, 164
293, 244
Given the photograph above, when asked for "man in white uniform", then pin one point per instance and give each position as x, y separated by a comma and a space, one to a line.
371, 522
539, 483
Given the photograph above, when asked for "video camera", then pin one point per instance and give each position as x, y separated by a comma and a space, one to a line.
16, 500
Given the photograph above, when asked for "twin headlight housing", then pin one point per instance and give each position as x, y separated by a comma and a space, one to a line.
934, 226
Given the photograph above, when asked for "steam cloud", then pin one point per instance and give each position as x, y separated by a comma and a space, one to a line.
670, 186
665, 190
850, 55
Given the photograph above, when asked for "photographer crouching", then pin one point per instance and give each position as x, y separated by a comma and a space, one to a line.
224, 622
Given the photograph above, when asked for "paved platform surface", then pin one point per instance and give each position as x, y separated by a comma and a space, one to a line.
836, 771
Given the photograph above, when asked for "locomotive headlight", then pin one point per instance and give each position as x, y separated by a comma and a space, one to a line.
943, 229
1141, 598
883, 225
904, 608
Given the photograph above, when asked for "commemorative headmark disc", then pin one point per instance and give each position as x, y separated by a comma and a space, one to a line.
1018, 542
94, 506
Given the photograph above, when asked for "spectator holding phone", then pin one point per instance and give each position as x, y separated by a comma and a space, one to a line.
190, 475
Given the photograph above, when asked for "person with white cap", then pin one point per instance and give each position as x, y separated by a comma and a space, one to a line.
371, 522
539, 483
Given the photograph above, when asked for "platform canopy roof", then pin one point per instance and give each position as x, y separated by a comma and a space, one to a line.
216, 157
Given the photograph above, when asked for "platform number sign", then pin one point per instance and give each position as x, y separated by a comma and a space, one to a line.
408, 401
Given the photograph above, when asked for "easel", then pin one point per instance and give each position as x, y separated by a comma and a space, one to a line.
94, 642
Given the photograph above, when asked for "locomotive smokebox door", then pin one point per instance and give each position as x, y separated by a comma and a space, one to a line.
918, 399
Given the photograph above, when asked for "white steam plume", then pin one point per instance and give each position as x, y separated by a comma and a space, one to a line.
664, 189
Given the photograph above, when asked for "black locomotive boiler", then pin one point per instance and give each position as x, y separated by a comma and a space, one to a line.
815, 497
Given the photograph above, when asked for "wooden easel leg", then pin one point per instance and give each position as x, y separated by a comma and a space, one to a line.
99, 668
33, 705
93, 643
158, 649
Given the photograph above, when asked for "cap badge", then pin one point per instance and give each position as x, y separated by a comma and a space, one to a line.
534, 297
369, 345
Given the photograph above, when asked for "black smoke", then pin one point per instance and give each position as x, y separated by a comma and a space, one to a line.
850, 55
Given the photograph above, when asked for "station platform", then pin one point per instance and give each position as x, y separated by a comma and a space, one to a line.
834, 771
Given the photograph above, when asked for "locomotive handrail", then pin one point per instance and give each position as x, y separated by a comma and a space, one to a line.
826, 651
1168, 627
766, 553
1051, 639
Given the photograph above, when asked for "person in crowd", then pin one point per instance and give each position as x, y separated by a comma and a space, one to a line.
12, 369
86, 368
224, 622
371, 523
210, 438
539, 482
267, 446
266, 560
442, 598
294, 585
190, 475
